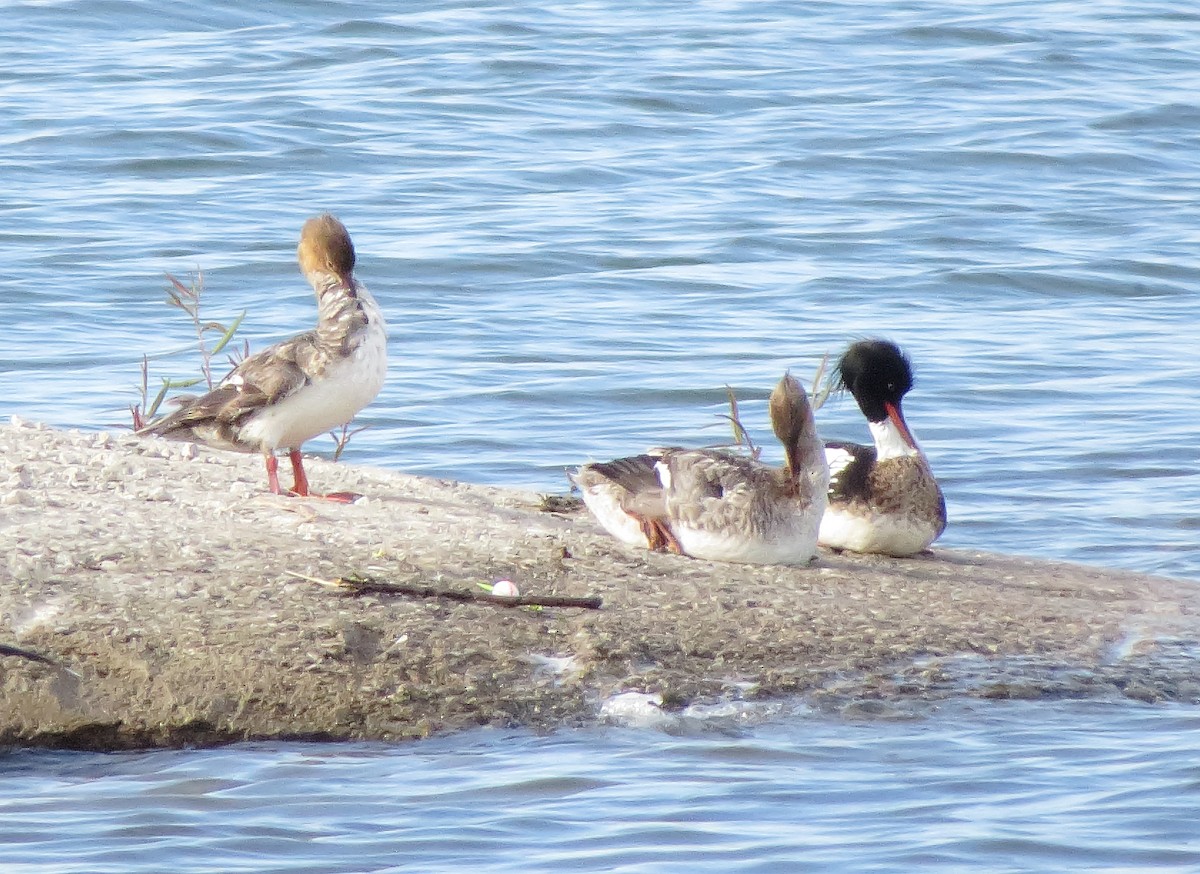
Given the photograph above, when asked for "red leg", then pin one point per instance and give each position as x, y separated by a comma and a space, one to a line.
671, 542
299, 480
300, 483
659, 537
273, 474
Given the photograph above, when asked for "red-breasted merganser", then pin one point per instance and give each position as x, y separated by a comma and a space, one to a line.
718, 505
302, 387
882, 498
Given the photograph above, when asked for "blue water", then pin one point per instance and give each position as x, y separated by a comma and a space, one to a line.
1001, 787
583, 222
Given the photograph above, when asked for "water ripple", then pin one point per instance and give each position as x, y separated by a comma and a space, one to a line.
583, 222
1023, 786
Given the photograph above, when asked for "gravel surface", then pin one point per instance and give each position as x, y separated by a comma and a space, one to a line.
162, 577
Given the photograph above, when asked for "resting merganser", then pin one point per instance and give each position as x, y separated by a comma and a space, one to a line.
882, 498
302, 387
717, 505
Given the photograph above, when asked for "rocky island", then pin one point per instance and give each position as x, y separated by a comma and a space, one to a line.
181, 604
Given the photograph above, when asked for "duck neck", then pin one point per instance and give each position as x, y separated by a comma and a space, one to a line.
890, 441
344, 308
802, 454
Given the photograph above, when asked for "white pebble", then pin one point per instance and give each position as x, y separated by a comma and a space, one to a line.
505, 589
113, 473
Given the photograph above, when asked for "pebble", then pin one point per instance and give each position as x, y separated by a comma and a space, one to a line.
505, 589
113, 473
19, 477
17, 498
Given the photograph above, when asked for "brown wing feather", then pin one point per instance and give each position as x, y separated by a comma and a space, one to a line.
282, 369
901, 487
216, 418
641, 491
635, 473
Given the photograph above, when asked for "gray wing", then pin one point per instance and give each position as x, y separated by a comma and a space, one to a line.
710, 489
275, 373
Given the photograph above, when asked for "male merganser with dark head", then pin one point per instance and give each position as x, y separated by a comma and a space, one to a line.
300, 388
884, 498
718, 505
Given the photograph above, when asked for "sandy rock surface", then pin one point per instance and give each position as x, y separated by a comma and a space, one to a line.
162, 577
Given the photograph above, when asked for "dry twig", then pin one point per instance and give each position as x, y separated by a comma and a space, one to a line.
342, 439
10, 650
356, 585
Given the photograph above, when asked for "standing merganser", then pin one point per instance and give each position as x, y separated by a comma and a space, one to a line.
302, 387
712, 504
882, 498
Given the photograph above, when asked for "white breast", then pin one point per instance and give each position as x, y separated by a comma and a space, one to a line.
877, 533
327, 403
791, 543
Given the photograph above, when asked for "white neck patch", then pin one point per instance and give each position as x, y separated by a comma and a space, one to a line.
888, 442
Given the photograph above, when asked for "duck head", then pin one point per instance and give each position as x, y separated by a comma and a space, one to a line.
794, 426
878, 374
326, 250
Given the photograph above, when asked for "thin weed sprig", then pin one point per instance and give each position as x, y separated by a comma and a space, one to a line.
822, 387
187, 298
